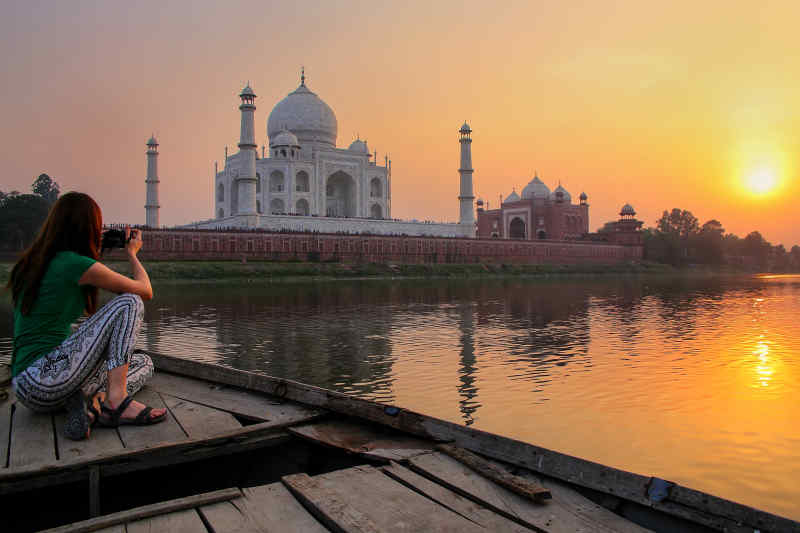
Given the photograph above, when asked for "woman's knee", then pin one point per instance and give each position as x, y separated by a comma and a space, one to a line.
134, 301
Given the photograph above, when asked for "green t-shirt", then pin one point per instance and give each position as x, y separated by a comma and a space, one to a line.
60, 302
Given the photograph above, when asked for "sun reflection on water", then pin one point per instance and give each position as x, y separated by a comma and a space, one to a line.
764, 368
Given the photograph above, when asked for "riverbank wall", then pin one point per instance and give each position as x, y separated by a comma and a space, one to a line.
238, 245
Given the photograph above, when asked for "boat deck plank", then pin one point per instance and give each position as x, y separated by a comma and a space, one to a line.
389, 505
32, 438
371, 441
5, 431
145, 436
264, 508
447, 498
186, 521
101, 441
199, 420
246, 404
552, 516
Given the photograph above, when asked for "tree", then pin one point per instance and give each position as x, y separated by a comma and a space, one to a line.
708, 243
757, 249
47, 188
21, 215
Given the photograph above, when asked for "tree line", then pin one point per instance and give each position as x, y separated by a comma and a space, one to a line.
21, 215
678, 239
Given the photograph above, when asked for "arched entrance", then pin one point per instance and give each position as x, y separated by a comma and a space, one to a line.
516, 230
375, 211
541, 234
302, 207
276, 207
340, 195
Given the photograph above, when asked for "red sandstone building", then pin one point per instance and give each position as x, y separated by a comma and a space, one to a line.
536, 215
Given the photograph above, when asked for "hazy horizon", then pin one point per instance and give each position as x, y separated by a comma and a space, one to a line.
689, 105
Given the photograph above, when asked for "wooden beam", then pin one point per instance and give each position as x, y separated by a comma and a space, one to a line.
523, 487
682, 502
328, 507
147, 511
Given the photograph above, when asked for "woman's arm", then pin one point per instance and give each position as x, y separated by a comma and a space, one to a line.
103, 277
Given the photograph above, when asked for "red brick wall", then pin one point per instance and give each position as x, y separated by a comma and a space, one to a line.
235, 245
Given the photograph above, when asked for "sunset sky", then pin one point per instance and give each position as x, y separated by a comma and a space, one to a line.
660, 104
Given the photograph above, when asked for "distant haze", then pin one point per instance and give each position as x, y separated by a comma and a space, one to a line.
660, 104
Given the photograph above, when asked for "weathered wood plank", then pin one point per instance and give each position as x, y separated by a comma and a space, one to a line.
524, 487
113, 529
329, 507
146, 436
390, 505
268, 508
186, 521
447, 498
5, 432
101, 440
199, 420
147, 511
685, 503
32, 438
553, 516
37, 475
238, 401
375, 442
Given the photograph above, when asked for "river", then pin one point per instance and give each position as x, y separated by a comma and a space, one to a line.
696, 380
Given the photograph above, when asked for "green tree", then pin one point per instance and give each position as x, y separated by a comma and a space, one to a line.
21, 216
708, 243
46, 187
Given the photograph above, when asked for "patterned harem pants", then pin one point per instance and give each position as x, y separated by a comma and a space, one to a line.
102, 342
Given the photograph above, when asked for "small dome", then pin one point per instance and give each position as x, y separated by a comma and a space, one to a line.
152, 141
284, 138
359, 146
627, 210
513, 197
536, 189
247, 91
465, 128
562, 194
583, 196
480, 202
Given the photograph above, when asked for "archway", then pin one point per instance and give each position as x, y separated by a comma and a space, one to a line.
301, 184
516, 230
276, 181
302, 207
376, 188
220, 193
258, 206
235, 197
220, 213
276, 206
258, 183
376, 211
541, 234
340, 193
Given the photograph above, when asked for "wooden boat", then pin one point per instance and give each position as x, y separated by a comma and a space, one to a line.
242, 452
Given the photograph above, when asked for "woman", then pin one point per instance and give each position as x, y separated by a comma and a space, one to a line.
54, 282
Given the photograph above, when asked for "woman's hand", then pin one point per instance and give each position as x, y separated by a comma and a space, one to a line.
133, 238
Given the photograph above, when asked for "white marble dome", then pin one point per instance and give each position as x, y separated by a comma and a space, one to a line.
513, 197
359, 146
536, 189
303, 113
565, 194
284, 138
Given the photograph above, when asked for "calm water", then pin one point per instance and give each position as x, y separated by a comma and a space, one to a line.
695, 381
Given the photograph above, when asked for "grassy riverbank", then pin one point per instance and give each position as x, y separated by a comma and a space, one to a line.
165, 271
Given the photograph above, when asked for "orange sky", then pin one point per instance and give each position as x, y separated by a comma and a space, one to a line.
660, 104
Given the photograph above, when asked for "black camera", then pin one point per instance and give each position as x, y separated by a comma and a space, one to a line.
113, 238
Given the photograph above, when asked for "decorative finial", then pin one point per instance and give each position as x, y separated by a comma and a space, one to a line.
302, 76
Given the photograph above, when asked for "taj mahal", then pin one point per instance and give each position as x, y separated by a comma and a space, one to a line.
304, 182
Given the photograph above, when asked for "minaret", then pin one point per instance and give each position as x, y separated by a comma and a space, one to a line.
465, 198
248, 147
151, 206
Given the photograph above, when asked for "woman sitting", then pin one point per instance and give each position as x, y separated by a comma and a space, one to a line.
54, 282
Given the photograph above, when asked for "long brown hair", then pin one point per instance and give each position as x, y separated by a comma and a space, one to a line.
74, 224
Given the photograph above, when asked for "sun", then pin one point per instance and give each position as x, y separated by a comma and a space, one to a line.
761, 181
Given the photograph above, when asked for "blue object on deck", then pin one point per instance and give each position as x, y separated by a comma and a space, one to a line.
658, 489
391, 411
